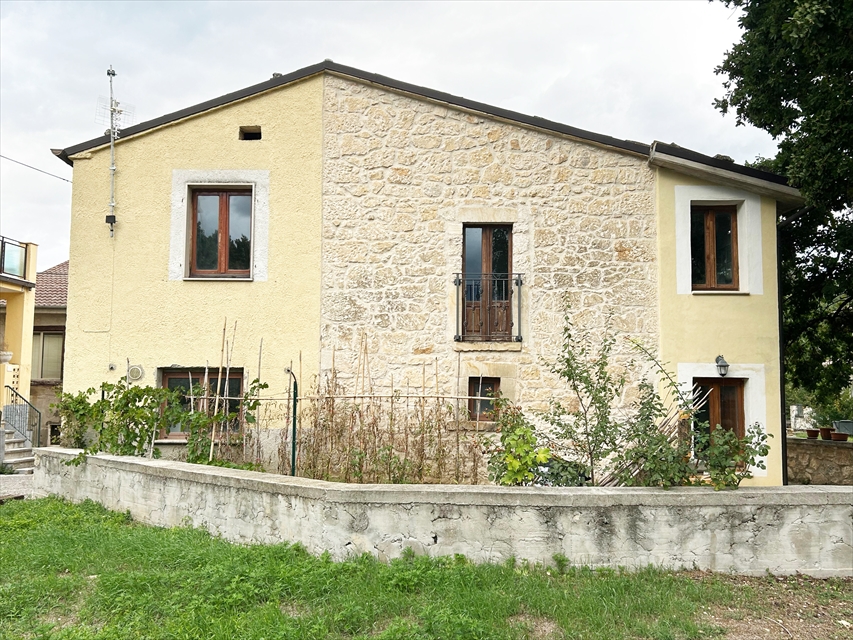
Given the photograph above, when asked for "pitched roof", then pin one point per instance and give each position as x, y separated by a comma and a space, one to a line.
52, 286
279, 80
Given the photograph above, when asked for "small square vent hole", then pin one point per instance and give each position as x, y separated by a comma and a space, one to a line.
250, 133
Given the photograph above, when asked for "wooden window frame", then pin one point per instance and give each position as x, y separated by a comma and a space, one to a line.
475, 386
195, 372
710, 283
486, 334
713, 402
224, 238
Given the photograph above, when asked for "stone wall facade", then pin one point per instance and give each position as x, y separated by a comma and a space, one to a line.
750, 531
820, 462
401, 178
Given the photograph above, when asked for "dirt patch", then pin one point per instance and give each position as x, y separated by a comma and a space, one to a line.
783, 607
293, 609
537, 627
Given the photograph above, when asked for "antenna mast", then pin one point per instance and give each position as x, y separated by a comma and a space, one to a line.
114, 113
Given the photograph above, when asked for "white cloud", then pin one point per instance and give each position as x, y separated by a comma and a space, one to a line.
636, 70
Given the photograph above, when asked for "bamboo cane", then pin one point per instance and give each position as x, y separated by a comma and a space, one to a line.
218, 386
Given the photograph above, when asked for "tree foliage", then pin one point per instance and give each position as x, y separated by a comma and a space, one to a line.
792, 75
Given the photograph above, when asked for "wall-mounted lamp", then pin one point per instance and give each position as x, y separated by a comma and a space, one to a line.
111, 220
722, 366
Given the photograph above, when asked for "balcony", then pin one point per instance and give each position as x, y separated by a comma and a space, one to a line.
13, 258
488, 307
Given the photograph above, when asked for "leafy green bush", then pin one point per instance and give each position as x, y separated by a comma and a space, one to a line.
128, 418
78, 415
516, 460
729, 459
653, 454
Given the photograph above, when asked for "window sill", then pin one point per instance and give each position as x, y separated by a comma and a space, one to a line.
719, 292
217, 279
487, 346
472, 425
173, 440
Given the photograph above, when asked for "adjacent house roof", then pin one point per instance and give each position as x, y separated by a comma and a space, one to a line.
278, 80
52, 286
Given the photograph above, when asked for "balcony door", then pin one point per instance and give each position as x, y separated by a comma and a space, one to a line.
487, 259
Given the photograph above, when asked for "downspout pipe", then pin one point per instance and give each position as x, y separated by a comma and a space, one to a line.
784, 432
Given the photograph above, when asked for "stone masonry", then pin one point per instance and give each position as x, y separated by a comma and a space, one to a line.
403, 175
820, 462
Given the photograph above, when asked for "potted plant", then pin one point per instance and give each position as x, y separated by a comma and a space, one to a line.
5, 354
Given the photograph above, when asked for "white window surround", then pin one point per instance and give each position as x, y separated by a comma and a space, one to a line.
754, 391
749, 235
179, 243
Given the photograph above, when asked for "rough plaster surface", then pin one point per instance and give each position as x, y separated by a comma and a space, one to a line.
401, 177
749, 531
820, 462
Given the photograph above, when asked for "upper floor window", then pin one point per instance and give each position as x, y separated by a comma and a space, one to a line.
47, 355
487, 284
221, 233
713, 247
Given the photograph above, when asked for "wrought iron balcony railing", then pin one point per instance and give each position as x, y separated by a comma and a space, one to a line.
488, 307
13, 258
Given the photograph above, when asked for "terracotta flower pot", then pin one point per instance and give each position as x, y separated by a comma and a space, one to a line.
812, 434
825, 433
839, 437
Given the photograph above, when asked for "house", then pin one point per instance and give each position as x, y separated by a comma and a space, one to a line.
20, 423
329, 208
49, 346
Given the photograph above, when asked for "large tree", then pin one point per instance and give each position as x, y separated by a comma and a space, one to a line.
792, 75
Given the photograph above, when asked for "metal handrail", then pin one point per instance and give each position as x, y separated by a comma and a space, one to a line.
16, 398
492, 290
20, 270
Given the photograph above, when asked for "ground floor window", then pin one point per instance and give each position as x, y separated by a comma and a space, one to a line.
230, 389
723, 404
48, 346
481, 392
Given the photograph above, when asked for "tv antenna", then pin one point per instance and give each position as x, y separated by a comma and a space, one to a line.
110, 113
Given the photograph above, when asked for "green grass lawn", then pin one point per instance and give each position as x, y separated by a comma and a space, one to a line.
79, 571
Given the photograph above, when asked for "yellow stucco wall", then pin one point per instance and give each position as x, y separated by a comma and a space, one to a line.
696, 328
17, 328
121, 302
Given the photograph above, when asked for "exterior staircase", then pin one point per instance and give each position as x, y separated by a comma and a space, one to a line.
16, 453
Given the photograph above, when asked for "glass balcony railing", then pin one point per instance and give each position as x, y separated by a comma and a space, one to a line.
13, 258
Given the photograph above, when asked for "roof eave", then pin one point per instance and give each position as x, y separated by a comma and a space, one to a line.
767, 184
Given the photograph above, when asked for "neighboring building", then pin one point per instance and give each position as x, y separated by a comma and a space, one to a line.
331, 208
19, 424
49, 346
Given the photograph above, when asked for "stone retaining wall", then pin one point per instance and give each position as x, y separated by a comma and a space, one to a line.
749, 531
820, 462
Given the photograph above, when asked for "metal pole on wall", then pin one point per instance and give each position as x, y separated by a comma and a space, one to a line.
293, 423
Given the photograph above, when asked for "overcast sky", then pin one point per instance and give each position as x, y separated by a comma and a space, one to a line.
636, 70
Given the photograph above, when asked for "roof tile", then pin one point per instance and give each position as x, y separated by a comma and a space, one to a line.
52, 286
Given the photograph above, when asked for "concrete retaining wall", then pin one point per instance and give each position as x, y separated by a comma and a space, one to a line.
805, 529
